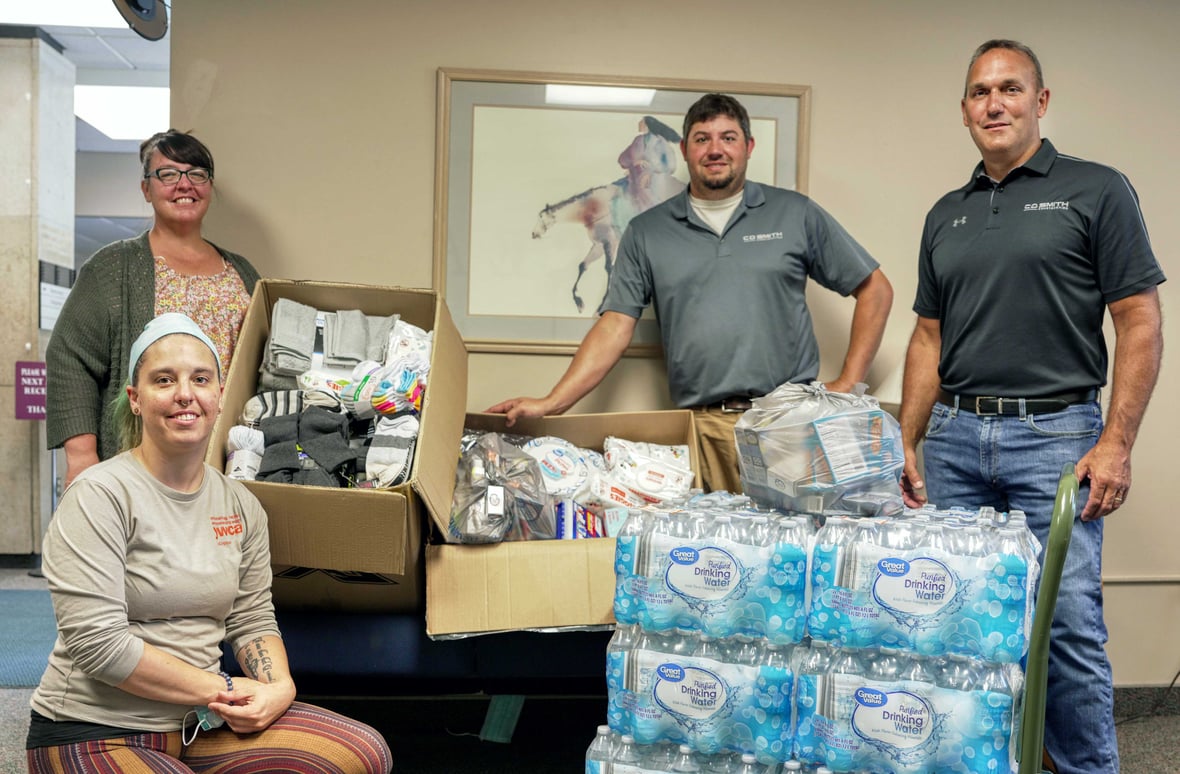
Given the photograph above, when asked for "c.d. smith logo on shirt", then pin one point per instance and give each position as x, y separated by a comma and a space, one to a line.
1038, 206
762, 237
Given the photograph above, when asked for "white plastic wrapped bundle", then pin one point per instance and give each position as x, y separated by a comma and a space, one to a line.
805, 449
653, 471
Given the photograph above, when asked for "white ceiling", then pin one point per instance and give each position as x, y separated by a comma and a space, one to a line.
112, 57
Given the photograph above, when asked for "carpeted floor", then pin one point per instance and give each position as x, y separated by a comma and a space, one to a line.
26, 638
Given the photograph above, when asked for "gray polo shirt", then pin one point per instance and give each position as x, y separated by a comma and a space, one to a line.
1019, 273
731, 308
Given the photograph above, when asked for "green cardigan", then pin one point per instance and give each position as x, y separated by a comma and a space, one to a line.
112, 299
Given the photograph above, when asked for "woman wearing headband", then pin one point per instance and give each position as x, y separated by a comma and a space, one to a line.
168, 268
154, 559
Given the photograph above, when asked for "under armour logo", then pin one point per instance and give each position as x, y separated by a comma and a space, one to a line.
959, 222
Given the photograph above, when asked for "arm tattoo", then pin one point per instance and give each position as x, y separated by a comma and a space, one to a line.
258, 663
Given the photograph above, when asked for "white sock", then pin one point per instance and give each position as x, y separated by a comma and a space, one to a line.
391, 452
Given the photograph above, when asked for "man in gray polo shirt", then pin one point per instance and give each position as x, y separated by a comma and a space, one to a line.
725, 266
1016, 271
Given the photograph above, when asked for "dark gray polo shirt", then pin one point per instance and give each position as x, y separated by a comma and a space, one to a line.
1019, 273
731, 308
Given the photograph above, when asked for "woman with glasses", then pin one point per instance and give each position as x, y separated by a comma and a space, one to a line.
168, 268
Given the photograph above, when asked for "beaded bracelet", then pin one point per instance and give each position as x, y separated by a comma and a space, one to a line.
229, 681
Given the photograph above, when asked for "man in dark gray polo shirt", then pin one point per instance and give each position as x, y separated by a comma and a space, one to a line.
1016, 271
725, 265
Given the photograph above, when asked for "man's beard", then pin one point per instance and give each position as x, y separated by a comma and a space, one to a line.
719, 183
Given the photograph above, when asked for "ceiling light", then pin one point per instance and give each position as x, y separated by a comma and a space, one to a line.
567, 94
123, 112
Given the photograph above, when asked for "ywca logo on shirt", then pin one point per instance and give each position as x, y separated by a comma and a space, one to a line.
226, 527
1041, 206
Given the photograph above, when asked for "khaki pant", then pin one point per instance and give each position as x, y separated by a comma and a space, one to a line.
717, 452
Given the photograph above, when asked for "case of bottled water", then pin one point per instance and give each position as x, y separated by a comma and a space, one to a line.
721, 568
713, 695
933, 582
892, 712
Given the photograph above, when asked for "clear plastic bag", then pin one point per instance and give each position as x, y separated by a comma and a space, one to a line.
499, 494
805, 449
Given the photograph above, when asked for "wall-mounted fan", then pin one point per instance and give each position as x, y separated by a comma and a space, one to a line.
149, 18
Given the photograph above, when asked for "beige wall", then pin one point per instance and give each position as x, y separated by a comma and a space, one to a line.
322, 119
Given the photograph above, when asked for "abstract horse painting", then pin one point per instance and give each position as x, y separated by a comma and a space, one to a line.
605, 210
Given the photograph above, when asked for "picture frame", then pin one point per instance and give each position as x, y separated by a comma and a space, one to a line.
533, 188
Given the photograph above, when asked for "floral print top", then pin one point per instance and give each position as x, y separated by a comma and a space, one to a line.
215, 302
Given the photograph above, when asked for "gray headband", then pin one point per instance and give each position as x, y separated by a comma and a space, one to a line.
166, 325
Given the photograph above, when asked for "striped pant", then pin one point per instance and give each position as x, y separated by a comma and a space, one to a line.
305, 740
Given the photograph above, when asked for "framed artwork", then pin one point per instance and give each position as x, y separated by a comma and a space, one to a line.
538, 174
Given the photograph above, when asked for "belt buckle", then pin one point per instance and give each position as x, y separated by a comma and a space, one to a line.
979, 409
726, 409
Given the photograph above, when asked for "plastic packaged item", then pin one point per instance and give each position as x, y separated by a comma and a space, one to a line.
654, 472
802, 448
244, 447
499, 495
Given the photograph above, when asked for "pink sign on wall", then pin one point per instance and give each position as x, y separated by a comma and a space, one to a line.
30, 389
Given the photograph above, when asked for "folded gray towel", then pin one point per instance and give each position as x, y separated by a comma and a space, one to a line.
346, 338
379, 330
292, 338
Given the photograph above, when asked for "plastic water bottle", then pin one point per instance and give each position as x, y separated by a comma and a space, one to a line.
897, 534
686, 760
828, 574
957, 673
708, 647
1008, 595
750, 765
628, 752
618, 654
630, 560
916, 669
600, 751
886, 665
786, 577
722, 763
660, 756
773, 692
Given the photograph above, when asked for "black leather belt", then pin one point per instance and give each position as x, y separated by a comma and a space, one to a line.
991, 405
733, 405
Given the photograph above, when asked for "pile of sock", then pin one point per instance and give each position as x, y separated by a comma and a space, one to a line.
340, 394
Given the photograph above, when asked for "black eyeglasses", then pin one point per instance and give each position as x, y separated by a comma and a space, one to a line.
171, 175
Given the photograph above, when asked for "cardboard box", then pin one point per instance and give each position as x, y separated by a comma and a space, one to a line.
355, 549
541, 584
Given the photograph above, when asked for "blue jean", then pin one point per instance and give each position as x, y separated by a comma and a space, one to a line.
1015, 463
